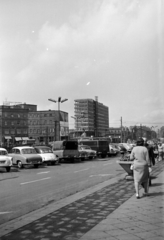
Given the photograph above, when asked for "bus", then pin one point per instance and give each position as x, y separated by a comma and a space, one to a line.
66, 150
100, 146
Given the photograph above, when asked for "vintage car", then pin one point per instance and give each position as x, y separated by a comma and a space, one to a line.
89, 153
5, 159
25, 155
113, 150
48, 157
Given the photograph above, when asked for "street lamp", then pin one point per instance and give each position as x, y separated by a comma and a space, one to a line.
59, 101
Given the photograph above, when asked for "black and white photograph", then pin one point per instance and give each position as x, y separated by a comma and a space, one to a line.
81, 119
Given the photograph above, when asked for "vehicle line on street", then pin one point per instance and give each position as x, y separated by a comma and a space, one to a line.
100, 175
4, 213
35, 181
43, 172
81, 170
107, 164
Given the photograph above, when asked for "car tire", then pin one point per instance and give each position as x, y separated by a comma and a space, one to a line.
8, 169
90, 158
53, 163
36, 165
20, 165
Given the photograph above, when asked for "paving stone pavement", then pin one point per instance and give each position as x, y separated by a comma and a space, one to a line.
86, 218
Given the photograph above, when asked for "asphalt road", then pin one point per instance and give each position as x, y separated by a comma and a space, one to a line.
22, 191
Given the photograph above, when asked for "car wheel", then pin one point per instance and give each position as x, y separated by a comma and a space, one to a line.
82, 159
91, 158
8, 169
36, 165
57, 162
53, 163
20, 165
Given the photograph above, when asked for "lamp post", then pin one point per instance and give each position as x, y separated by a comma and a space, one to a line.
59, 101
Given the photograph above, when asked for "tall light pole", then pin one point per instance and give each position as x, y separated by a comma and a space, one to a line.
59, 101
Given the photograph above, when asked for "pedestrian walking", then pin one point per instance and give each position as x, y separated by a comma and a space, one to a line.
156, 154
150, 149
141, 166
160, 151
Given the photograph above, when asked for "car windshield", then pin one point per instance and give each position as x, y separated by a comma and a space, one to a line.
3, 152
46, 150
28, 151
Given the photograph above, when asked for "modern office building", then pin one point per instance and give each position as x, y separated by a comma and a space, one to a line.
91, 117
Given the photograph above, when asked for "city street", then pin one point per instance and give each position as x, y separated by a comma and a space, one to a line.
25, 190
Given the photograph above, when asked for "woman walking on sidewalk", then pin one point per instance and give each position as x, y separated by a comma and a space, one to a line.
141, 165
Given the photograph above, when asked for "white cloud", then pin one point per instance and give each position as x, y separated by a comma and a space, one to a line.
111, 44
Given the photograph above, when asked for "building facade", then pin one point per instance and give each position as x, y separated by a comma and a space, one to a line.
14, 123
91, 116
45, 127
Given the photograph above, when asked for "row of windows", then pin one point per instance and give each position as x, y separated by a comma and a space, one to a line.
37, 122
8, 123
15, 115
15, 131
33, 115
115, 131
42, 131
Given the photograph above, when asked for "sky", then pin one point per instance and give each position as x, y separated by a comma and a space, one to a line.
76, 49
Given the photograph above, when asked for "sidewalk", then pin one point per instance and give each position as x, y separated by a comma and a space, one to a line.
107, 211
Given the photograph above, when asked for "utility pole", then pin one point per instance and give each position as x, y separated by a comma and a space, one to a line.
141, 129
121, 129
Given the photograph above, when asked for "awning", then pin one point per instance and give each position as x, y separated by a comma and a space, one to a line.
25, 138
18, 138
8, 137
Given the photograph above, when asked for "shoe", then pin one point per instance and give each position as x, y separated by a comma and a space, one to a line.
137, 196
146, 194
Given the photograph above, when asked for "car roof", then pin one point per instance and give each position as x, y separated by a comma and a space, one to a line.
3, 149
22, 147
42, 147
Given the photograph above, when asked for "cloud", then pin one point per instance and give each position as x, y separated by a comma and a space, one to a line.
111, 44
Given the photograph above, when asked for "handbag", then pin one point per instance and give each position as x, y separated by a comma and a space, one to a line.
131, 167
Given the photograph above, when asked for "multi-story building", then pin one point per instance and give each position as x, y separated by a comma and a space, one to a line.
14, 123
44, 126
91, 117
22, 122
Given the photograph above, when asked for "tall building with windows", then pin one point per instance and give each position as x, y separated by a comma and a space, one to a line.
91, 116
14, 123
44, 126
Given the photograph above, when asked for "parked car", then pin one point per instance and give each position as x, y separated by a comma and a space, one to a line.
25, 155
127, 146
47, 155
5, 159
113, 150
89, 153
